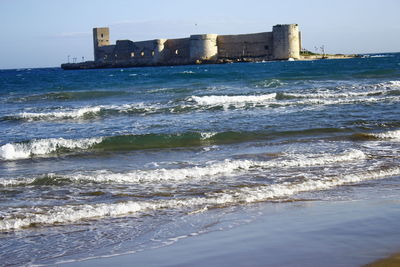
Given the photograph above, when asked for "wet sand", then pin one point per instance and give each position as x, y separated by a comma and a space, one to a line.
392, 261
313, 233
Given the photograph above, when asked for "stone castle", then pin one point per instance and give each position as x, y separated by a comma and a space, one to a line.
283, 43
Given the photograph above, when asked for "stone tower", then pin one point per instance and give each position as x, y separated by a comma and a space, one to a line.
203, 47
286, 41
101, 37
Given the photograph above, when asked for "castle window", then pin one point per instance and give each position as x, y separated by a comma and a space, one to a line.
142, 53
266, 47
102, 35
176, 52
133, 54
152, 53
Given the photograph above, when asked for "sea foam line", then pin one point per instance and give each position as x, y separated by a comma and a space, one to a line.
85, 112
13, 151
225, 99
323, 95
213, 171
394, 135
68, 114
71, 214
297, 100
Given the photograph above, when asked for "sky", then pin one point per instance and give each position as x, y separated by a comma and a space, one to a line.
43, 33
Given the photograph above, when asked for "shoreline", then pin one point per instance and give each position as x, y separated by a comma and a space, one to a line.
391, 261
100, 65
312, 233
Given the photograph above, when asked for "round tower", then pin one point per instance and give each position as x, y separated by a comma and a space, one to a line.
158, 50
203, 47
286, 41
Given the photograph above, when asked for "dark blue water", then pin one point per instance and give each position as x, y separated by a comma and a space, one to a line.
97, 162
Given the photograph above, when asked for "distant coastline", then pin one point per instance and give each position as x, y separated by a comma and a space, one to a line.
105, 65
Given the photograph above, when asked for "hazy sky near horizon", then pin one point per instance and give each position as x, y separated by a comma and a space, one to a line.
42, 33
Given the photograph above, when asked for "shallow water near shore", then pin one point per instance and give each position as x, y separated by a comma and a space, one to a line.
115, 161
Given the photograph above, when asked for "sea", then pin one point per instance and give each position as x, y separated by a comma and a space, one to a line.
96, 163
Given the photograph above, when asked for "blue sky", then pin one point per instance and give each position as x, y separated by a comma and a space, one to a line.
42, 33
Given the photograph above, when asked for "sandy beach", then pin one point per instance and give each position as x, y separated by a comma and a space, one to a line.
391, 261
314, 233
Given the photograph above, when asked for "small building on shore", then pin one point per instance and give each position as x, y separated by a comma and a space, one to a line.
283, 43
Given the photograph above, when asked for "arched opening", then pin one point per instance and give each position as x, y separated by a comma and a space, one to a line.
142, 53
133, 54
176, 52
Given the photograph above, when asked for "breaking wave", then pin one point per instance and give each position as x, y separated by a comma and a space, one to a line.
13, 151
38, 216
81, 113
212, 171
40, 147
389, 135
387, 91
225, 99
85, 113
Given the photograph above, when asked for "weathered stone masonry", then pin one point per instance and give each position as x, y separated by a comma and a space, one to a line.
282, 43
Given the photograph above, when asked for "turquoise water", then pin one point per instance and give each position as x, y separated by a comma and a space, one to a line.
96, 162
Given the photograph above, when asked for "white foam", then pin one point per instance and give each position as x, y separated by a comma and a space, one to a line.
315, 99
207, 135
395, 135
213, 171
83, 112
225, 99
315, 102
319, 95
125, 108
362, 93
269, 83
263, 193
383, 55
13, 151
71, 214
16, 181
67, 114
392, 84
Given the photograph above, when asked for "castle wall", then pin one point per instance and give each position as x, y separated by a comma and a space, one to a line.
176, 51
159, 51
122, 51
143, 52
245, 45
105, 53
